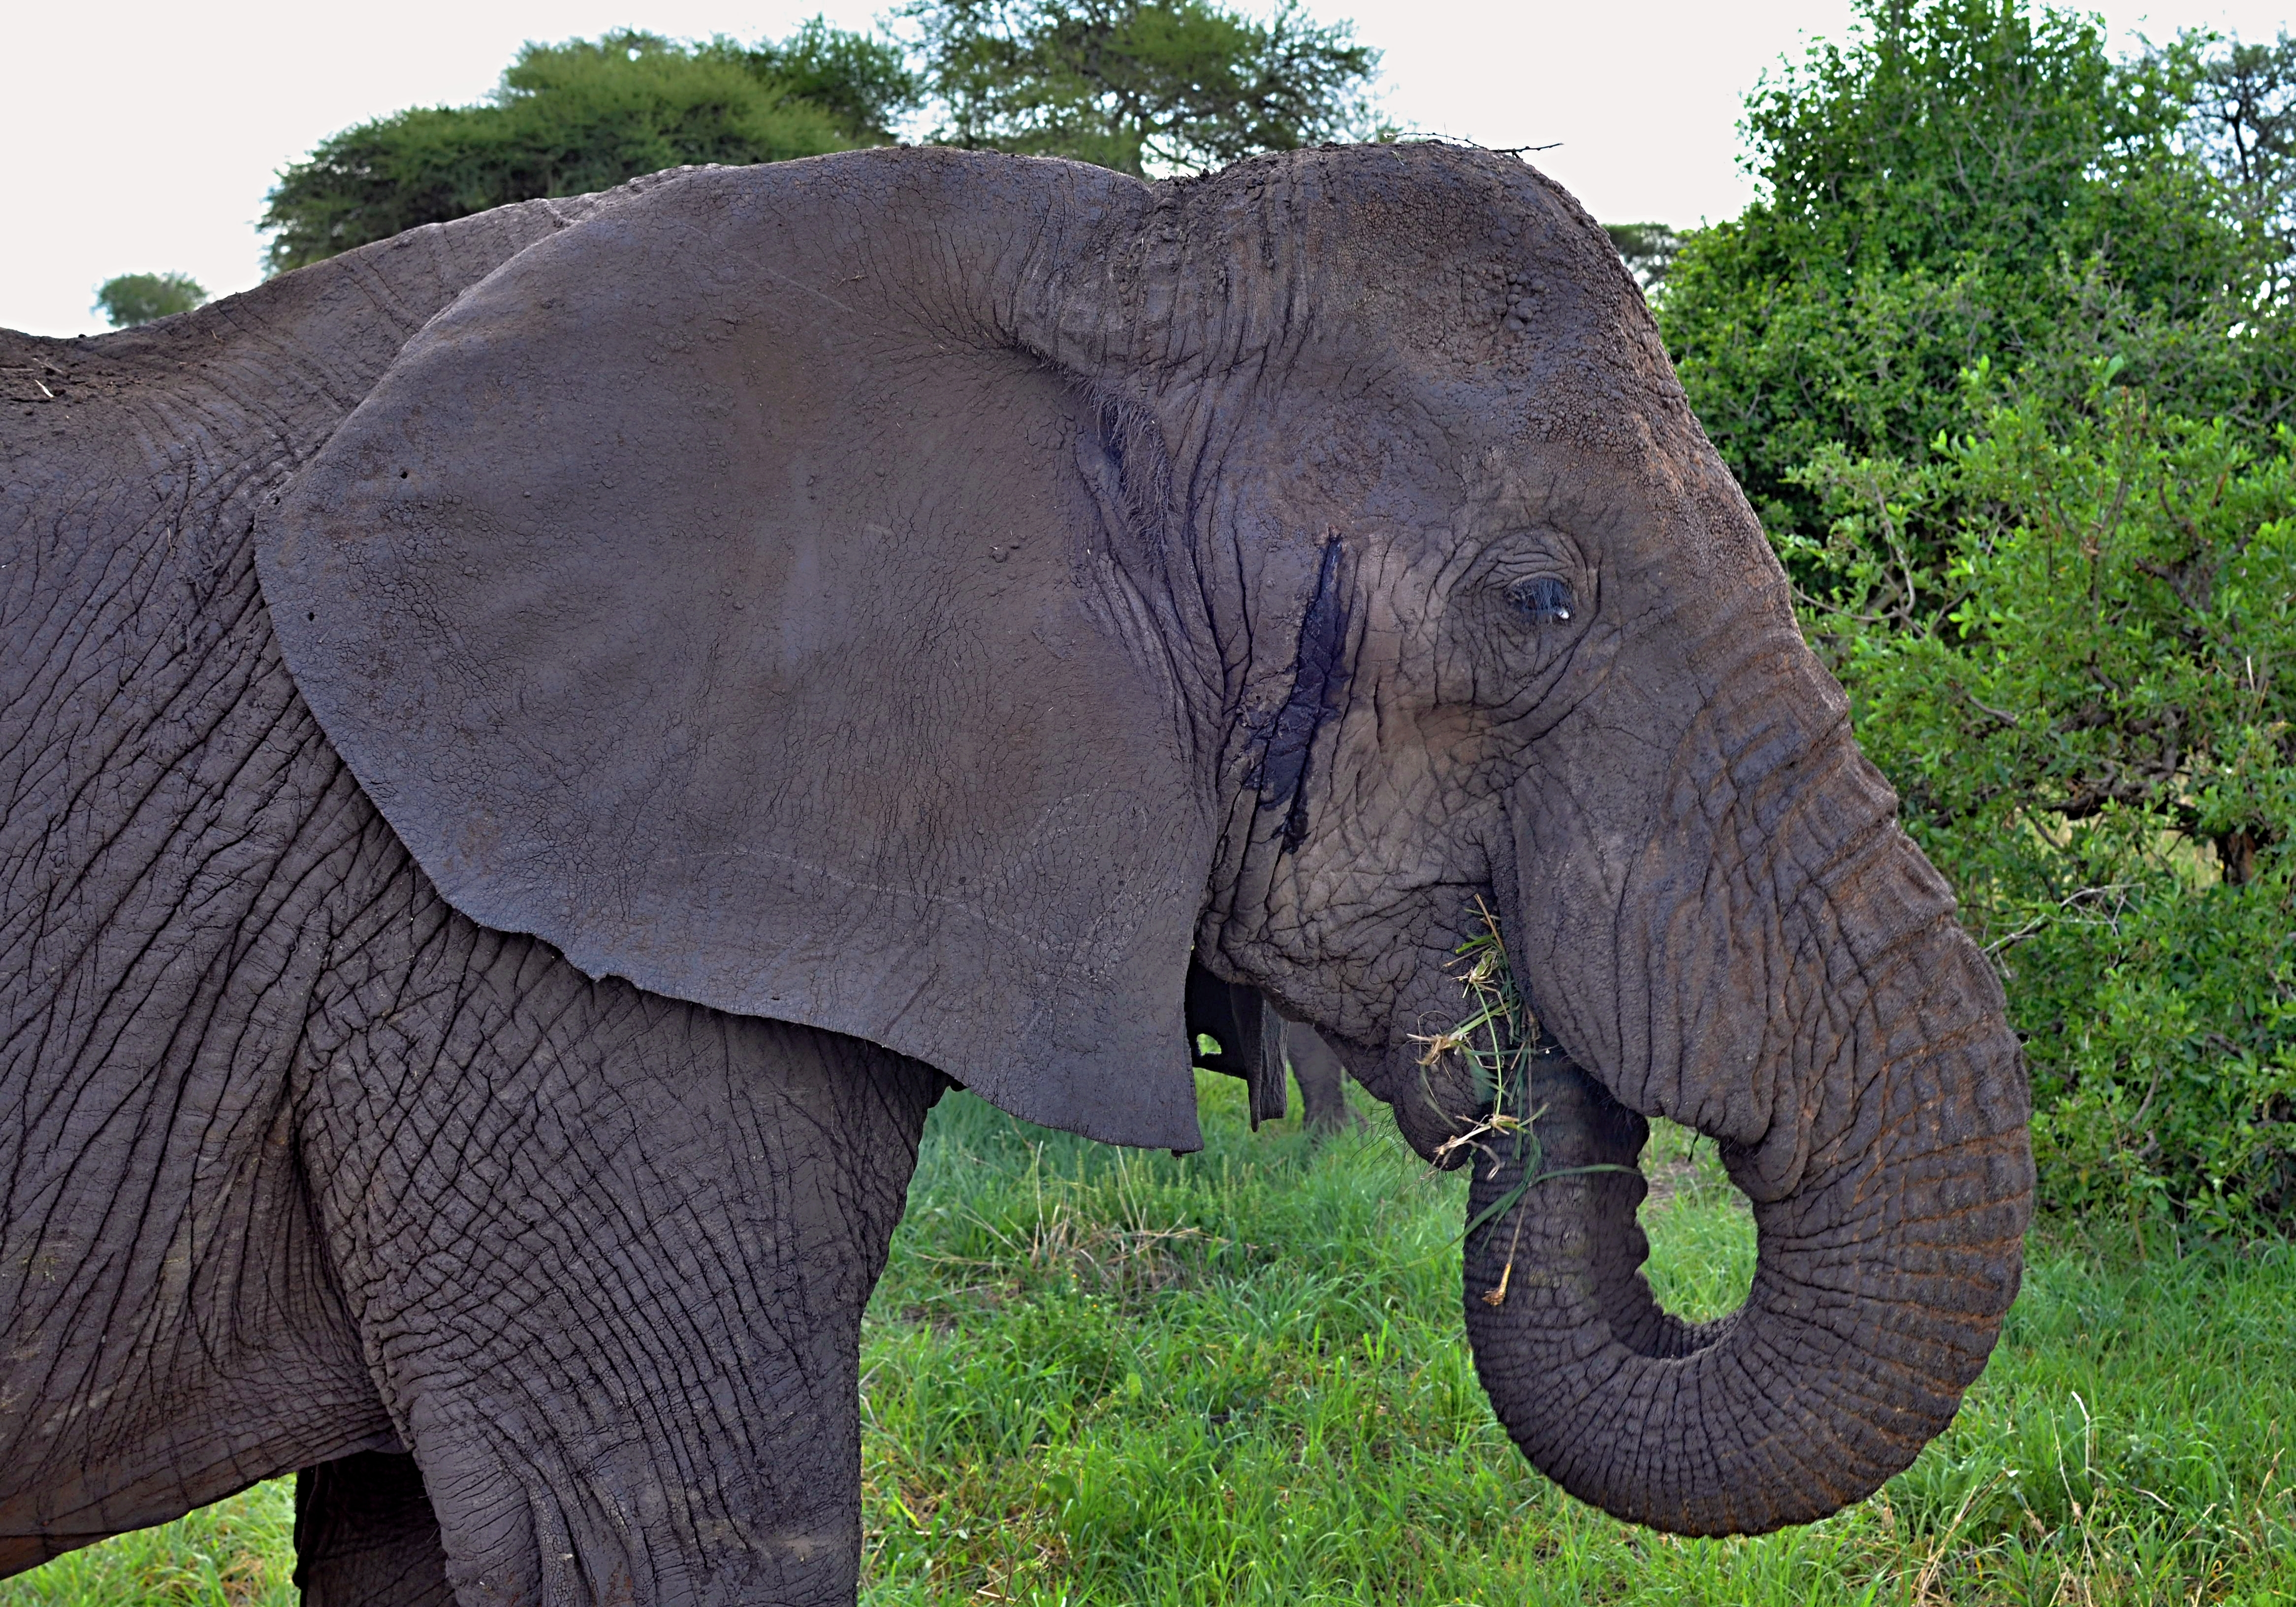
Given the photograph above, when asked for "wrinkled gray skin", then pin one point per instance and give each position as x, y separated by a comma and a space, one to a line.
1323, 1080
533, 749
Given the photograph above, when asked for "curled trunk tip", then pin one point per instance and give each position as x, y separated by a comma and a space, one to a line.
1878, 1294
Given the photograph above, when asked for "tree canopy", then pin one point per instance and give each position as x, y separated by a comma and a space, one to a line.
1171, 86
1964, 179
2245, 120
1145, 86
1648, 249
127, 299
585, 114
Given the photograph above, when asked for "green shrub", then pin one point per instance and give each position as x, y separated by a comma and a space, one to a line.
2089, 709
2000, 354
1964, 180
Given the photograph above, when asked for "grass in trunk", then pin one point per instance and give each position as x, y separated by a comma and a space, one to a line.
1098, 1377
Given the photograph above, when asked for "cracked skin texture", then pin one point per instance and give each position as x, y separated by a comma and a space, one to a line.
534, 750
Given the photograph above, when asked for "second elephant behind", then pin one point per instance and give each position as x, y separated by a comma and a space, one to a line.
1255, 1044
1322, 1085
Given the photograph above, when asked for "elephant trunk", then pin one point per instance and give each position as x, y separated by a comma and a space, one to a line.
1882, 1278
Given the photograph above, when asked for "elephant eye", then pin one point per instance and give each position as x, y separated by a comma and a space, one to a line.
1546, 600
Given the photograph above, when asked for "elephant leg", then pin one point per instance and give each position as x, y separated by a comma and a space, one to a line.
609, 1254
1323, 1081
365, 1535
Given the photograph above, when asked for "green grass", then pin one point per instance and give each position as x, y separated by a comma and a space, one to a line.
1098, 1377
239, 1553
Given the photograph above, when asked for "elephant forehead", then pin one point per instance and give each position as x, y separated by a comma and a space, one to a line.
1646, 499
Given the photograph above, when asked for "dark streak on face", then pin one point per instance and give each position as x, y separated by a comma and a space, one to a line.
1319, 677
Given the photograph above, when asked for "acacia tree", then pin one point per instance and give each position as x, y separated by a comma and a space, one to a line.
127, 299
1141, 85
1648, 249
585, 114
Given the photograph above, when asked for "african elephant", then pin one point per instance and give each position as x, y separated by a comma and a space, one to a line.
1259, 1045
1316, 1068
534, 750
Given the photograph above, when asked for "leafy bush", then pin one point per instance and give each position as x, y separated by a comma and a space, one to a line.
2001, 354
1964, 180
2089, 713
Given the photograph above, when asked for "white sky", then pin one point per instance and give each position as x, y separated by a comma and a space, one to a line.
141, 136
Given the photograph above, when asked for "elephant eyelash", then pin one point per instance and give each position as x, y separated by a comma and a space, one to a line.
1545, 599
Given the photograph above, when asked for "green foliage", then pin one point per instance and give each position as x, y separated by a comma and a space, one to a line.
2000, 355
1648, 250
2089, 712
2244, 120
1962, 181
1168, 84
582, 116
863, 84
127, 299
1141, 85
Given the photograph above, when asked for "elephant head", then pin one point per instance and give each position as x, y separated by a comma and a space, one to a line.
918, 594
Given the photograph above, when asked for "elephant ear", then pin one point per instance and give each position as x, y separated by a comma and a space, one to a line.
711, 594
